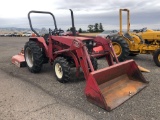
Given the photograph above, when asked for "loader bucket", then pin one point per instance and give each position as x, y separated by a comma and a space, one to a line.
109, 87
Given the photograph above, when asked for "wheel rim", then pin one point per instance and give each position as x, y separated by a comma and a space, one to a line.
58, 70
117, 48
29, 57
159, 57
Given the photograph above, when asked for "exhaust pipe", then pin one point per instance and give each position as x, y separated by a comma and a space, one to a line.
73, 27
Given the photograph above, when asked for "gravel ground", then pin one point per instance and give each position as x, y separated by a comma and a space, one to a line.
143, 106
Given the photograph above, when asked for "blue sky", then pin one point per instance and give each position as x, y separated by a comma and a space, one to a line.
144, 13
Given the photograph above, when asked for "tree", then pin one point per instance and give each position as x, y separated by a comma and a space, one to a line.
96, 27
100, 27
68, 29
80, 30
90, 28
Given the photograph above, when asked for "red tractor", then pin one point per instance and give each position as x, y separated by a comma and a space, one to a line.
108, 87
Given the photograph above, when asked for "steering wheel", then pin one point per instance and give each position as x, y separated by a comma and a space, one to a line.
144, 29
55, 31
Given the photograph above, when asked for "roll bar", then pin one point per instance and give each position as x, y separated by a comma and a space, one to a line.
45, 12
41, 12
128, 19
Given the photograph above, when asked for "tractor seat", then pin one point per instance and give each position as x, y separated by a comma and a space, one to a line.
45, 36
140, 37
127, 35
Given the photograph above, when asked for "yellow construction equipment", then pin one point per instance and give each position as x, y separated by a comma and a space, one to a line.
146, 41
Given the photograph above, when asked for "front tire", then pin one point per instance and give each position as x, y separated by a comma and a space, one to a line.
33, 56
94, 63
156, 57
120, 47
61, 69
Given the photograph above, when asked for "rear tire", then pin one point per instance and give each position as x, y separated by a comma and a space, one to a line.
33, 56
156, 57
61, 69
94, 63
132, 54
120, 47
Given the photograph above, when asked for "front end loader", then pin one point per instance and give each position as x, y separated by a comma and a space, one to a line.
107, 87
131, 43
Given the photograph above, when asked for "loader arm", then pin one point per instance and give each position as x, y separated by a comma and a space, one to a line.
110, 86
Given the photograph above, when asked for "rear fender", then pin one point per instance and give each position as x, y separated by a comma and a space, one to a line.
42, 42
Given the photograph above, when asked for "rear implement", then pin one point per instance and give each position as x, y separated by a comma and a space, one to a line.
19, 60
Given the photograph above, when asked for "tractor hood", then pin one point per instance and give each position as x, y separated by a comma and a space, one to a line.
77, 37
69, 39
150, 35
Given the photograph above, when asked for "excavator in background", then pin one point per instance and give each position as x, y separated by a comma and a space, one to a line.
144, 41
107, 87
